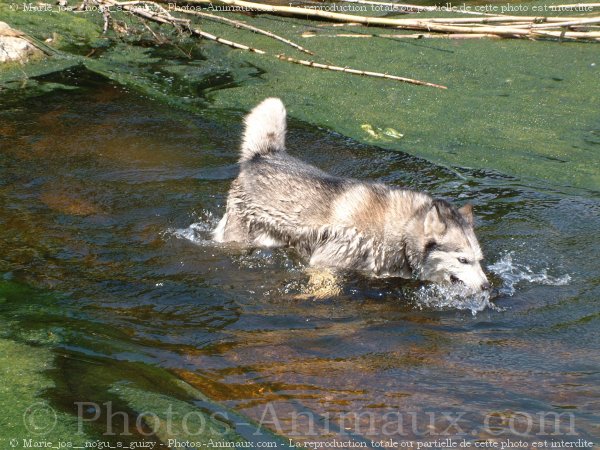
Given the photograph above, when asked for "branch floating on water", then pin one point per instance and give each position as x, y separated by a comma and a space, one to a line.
358, 72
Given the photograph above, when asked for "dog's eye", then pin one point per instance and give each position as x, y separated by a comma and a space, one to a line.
463, 260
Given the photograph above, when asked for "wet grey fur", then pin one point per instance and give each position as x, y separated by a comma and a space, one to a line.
342, 223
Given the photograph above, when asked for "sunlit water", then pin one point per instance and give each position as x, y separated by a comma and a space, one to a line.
108, 200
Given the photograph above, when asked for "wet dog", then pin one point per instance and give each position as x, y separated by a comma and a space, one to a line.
340, 223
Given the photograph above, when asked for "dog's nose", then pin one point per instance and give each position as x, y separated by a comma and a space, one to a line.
486, 286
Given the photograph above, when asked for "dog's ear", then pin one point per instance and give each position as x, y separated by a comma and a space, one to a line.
434, 224
467, 213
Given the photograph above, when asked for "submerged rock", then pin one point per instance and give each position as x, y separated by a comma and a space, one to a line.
13, 47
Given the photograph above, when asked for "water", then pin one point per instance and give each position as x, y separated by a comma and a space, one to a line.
106, 205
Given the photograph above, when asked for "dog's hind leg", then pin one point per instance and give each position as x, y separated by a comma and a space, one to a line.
218, 234
231, 229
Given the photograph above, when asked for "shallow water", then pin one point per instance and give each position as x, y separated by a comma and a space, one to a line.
107, 200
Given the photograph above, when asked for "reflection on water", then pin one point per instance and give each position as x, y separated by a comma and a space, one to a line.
97, 193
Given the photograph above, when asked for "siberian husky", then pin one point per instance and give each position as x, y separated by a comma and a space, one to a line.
341, 223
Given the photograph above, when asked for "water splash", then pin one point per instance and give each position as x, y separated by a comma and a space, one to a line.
200, 232
455, 297
264, 258
512, 273
508, 271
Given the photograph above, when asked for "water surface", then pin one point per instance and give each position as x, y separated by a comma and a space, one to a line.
107, 200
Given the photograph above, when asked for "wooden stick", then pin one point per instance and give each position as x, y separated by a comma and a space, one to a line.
358, 72
568, 23
229, 43
442, 36
239, 24
405, 8
148, 15
343, 35
106, 18
410, 36
343, 24
492, 19
505, 31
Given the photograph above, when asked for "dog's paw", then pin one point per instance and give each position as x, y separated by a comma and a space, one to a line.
322, 284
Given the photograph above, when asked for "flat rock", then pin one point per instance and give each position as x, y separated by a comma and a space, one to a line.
13, 47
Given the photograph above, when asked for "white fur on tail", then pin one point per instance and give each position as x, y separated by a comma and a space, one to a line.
265, 129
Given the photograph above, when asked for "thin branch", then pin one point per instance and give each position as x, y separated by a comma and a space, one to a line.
158, 39
408, 36
401, 7
503, 19
358, 72
106, 18
227, 42
239, 24
310, 34
441, 36
405, 8
568, 23
504, 31
148, 15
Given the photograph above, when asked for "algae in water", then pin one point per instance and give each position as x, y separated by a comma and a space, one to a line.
526, 109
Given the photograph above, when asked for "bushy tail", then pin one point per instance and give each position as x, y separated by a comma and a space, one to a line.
265, 129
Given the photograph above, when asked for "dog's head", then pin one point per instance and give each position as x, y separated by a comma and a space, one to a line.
450, 252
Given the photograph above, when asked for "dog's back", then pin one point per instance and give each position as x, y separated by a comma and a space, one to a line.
274, 191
